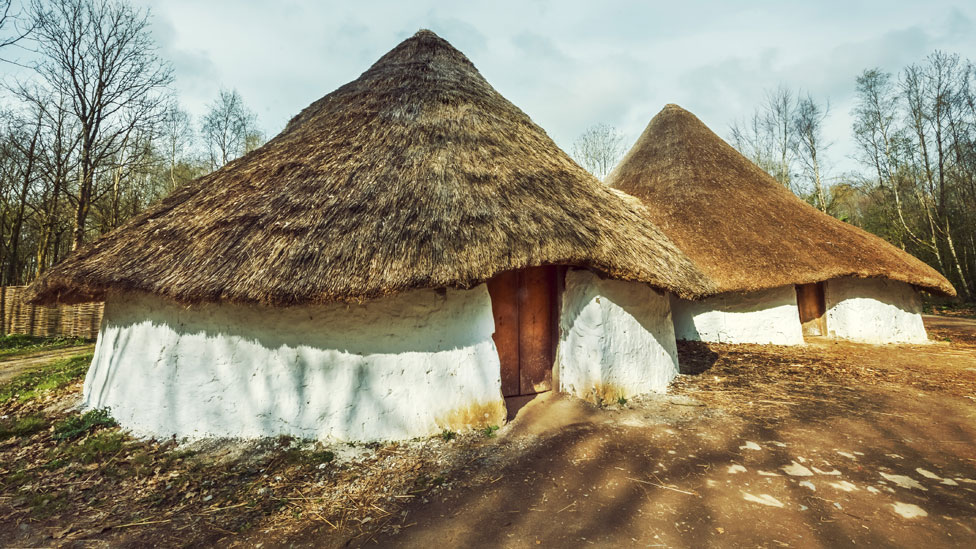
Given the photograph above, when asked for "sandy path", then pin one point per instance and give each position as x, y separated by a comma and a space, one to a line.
10, 367
836, 444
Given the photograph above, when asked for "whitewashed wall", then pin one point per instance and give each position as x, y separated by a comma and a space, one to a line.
616, 339
874, 310
765, 317
396, 368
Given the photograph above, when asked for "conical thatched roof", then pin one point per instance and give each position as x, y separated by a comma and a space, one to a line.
739, 225
418, 174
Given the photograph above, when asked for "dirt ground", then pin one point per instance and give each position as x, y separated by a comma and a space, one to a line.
825, 445
10, 367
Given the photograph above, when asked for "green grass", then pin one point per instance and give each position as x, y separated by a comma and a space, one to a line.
45, 378
75, 426
20, 344
22, 427
96, 448
308, 458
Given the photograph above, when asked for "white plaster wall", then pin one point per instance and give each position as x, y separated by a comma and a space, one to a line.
395, 368
766, 317
874, 310
616, 338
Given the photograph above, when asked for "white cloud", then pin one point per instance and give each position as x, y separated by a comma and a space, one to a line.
568, 64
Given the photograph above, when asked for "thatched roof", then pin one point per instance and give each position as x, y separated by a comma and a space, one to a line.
743, 228
418, 174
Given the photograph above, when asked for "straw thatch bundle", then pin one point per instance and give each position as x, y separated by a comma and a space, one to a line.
739, 225
418, 174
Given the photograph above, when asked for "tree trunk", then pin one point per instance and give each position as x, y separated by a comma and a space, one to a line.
18, 225
952, 251
87, 177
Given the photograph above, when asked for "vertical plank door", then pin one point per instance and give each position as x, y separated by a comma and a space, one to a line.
536, 329
503, 290
812, 306
525, 306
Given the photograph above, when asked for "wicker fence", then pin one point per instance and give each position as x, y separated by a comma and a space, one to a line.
80, 320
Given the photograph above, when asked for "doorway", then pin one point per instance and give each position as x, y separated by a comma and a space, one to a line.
525, 304
812, 306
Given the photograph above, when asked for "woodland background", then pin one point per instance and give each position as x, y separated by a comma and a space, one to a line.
915, 135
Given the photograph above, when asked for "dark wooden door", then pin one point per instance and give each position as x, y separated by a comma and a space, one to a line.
524, 304
812, 306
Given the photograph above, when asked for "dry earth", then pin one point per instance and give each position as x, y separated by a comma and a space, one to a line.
825, 445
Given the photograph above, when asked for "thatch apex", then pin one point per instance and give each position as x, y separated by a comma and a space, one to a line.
418, 174
739, 225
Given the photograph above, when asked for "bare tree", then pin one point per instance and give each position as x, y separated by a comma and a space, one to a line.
767, 137
100, 54
808, 144
598, 149
751, 138
229, 129
780, 114
176, 143
57, 159
12, 30
917, 134
23, 138
881, 141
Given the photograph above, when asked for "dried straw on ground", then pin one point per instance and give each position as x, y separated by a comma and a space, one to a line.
418, 174
739, 225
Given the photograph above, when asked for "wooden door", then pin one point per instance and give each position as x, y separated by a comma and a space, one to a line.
524, 304
504, 305
812, 306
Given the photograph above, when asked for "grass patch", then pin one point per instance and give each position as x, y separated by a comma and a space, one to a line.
950, 308
425, 482
45, 378
22, 427
17, 344
95, 448
489, 431
75, 426
296, 456
44, 504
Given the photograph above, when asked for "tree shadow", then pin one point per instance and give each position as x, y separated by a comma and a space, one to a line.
611, 482
695, 357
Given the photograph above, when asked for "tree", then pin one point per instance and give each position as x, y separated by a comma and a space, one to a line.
916, 133
768, 137
57, 159
176, 145
598, 149
11, 31
808, 144
229, 129
751, 138
100, 54
23, 139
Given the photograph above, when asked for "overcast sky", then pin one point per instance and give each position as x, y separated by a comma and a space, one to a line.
567, 64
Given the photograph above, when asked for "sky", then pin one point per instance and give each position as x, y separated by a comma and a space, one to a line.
568, 64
